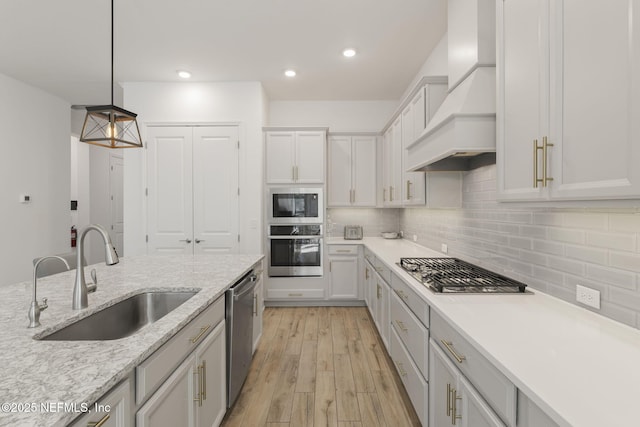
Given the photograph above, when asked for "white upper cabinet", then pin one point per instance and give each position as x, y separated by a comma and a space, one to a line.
295, 157
568, 87
413, 122
471, 37
352, 170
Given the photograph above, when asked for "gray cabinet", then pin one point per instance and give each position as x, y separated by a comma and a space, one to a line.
112, 410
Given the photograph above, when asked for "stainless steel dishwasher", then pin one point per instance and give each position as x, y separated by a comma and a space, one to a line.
239, 319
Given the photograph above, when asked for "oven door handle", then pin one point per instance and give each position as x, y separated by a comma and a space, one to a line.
295, 237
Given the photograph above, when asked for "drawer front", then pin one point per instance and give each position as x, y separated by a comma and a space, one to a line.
343, 249
412, 333
494, 387
411, 299
416, 386
294, 294
383, 271
156, 368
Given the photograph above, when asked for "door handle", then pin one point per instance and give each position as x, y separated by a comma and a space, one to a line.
198, 240
185, 240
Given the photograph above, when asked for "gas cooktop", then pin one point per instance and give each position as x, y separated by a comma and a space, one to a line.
452, 275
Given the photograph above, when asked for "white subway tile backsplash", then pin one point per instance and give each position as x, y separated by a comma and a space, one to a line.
625, 222
625, 260
611, 276
566, 235
550, 249
592, 255
620, 241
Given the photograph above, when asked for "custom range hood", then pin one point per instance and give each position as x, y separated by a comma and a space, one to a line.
462, 133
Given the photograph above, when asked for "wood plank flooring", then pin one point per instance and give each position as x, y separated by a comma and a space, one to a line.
321, 366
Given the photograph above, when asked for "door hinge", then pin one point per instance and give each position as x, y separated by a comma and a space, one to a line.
146, 238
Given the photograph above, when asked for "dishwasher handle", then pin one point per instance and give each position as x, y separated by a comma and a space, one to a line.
246, 287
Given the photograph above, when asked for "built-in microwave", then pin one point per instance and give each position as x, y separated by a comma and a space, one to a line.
295, 205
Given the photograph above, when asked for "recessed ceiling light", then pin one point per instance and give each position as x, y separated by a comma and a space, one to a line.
290, 73
184, 74
349, 52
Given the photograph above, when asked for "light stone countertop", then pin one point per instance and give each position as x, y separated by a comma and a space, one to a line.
581, 368
33, 371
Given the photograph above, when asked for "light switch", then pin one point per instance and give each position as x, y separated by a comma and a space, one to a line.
25, 198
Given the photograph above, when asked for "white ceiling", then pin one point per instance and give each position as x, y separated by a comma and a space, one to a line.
63, 46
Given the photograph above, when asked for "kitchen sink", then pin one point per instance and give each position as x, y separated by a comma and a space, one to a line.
123, 318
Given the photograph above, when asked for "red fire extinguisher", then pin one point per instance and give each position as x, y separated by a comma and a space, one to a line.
74, 236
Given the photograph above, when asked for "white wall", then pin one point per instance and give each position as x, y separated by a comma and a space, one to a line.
437, 64
242, 102
80, 183
34, 130
339, 116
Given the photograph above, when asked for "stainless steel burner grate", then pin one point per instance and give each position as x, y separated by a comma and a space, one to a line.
455, 275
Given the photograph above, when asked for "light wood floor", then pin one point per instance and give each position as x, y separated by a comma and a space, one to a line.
321, 366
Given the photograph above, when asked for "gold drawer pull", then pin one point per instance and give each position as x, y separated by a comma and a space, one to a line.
99, 423
198, 374
203, 331
401, 326
204, 380
343, 250
295, 295
449, 399
401, 294
454, 406
449, 346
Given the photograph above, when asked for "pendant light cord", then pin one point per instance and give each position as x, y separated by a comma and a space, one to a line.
112, 52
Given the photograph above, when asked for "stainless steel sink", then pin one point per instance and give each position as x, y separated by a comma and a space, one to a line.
123, 318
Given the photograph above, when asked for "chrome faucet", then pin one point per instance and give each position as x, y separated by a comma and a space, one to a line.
80, 299
36, 307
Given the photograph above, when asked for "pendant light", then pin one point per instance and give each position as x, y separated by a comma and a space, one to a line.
108, 125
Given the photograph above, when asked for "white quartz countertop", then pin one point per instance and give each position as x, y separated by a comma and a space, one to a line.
582, 369
77, 372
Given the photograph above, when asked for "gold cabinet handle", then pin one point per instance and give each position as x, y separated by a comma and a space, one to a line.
448, 400
379, 291
401, 326
293, 173
545, 161
449, 346
454, 406
343, 251
401, 294
330, 262
203, 331
409, 190
535, 163
204, 380
295, 295
384, 194
198, 374
391, 193
99, 423
297, 173
366, 274
255, 305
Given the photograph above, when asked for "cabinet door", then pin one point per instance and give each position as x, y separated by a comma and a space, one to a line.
280, 157
413, 119
211, 362
595, 100
364, 170
170, 199
310, 157
215, 189
383, 312
173, 404
395, 190
114, 409
343, 277
443, 378
472, 408
530, 414
367, 285
340, 160
523, 92
387, 166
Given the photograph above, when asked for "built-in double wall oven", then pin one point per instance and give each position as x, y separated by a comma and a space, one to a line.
295, 231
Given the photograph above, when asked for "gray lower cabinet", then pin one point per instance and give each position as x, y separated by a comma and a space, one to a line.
530, 415
452, 399
195, 393
114, 409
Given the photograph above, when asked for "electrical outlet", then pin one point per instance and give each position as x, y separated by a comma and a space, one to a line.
444, 248
415, 237
588, 296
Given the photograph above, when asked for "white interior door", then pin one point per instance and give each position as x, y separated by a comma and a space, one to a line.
215, 189
116, 173
170, 190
